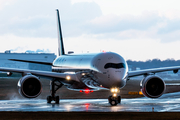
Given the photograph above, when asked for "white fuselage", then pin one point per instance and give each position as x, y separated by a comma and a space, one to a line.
109, 69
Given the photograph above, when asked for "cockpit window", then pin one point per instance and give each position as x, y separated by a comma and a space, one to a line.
114, 65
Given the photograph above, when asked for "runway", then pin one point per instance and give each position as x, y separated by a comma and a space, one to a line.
167, 103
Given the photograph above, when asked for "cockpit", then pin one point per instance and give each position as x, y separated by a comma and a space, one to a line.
115, 65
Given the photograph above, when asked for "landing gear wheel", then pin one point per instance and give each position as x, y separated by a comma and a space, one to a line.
114, 102
55, 84
49, 99
57, 99
119, 99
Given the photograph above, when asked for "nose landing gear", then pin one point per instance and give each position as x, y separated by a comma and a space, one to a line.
114, 99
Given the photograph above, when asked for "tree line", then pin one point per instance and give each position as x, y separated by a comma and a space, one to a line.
155, 63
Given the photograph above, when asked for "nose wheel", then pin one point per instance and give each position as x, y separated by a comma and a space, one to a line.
114, 100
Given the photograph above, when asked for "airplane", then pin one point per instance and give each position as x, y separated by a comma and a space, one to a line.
86, 73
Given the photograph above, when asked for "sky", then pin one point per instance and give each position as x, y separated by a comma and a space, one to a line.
135, 29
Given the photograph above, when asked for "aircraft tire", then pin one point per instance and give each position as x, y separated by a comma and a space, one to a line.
114, 102
57, 99
49, 99
119, 99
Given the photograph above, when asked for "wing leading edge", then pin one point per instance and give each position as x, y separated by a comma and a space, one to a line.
74, 76
41, 73
154, 70
31, 61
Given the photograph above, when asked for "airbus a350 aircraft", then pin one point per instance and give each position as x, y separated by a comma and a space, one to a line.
86, 73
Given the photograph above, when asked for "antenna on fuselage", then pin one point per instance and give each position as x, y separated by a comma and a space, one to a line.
60, 38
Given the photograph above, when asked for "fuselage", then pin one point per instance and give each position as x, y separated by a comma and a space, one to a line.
109, 69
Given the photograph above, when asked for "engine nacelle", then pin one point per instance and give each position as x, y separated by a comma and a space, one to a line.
152, 86
29, 86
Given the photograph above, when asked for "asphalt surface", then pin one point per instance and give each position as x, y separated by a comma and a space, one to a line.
165, 108
167, 103
77, 106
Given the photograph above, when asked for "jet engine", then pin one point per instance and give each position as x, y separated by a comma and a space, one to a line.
29, 86
152, 86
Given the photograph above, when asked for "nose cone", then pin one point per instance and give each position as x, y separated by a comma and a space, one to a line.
112, 69
118, 78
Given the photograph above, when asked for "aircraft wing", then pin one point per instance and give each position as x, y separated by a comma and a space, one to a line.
154, 70
31, 61
41, 73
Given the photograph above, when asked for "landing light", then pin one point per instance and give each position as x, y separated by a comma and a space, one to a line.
68, 77
9, 73
114, 95
114, 90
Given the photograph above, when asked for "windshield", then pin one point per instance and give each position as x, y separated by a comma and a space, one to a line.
114, 65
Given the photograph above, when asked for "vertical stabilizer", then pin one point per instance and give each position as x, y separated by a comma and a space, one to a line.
60, 38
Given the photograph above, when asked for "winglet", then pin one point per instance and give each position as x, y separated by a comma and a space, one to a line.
60, 38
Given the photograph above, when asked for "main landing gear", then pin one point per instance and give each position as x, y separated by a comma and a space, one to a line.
54, 86
114, 99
